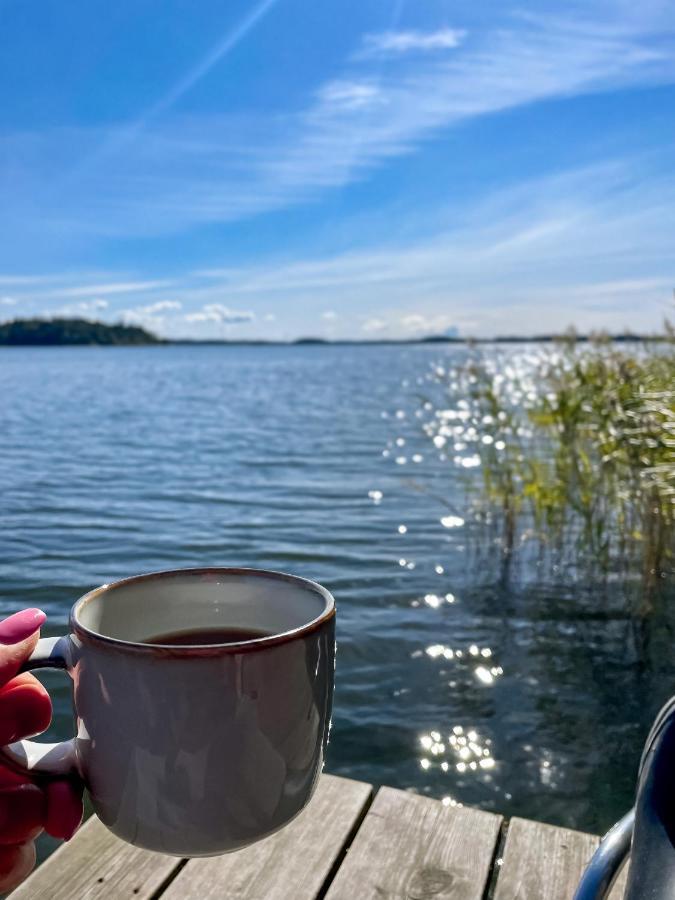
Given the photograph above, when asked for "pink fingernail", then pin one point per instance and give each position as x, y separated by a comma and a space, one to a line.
21, 625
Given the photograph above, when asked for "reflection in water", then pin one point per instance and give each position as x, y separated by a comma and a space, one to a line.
459, 432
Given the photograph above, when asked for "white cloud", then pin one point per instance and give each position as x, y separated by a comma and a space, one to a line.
7, 301
216, 312
269, 317
373, 325
161, 306
329, 315
152, 314
398, 42
78, 309
92, 305
414, 322
434, 324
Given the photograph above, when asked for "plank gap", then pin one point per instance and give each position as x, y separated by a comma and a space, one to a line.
491, 885
340, 858
173, 874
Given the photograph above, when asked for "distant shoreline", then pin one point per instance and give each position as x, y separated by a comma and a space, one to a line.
355, 342
81, 332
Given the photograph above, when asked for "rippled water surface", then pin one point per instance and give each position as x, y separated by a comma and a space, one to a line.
515, 695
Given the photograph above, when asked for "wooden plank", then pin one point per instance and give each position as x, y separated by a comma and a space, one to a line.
620, 886
541, 862
292, 864
413, 848
96, 864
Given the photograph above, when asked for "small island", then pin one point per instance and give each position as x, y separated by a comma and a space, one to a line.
58, 332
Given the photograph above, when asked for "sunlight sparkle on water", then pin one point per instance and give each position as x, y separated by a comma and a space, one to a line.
469, 752
487, 676
452, 521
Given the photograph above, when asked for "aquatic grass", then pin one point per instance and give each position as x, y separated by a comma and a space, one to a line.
575, 451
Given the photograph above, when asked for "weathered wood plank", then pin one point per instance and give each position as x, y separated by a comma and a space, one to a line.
620, 886
542, 862
290, 865
95, 864
412, 848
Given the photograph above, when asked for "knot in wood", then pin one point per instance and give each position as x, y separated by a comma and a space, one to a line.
429, 882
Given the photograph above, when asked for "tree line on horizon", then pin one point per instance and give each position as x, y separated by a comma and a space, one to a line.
73, 331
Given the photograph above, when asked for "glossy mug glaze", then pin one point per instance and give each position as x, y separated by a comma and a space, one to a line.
194, 750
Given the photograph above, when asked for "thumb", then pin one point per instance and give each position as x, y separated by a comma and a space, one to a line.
18, 637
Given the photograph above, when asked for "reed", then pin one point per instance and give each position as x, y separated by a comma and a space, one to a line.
575, 447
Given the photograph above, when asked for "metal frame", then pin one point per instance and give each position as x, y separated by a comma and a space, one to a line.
646, 832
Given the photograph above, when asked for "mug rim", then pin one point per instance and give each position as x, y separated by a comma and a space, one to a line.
88, 634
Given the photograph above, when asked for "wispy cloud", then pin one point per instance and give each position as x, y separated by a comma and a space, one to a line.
117, 287
8, 301
348, 95
30, 280
536, 256
120, 139
388, 43
217, 53
591, 245
188, 171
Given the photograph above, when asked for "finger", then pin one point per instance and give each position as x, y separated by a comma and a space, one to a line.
22, 813
64, 808
18, 637
16, 863
25, 709
10, 778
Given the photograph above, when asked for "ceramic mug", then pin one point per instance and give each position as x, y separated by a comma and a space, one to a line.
201, 749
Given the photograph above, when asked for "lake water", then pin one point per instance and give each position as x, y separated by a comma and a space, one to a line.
311, 460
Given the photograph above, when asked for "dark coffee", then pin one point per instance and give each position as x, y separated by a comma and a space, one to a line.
208, 636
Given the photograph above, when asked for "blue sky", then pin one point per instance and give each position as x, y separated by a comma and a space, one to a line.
354, 168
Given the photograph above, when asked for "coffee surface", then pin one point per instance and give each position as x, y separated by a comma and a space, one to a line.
207, 636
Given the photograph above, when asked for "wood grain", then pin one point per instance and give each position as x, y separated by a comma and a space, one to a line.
541, 862
290, 865
95, 864
413, 848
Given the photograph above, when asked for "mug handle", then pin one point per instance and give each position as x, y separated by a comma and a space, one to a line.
31, 757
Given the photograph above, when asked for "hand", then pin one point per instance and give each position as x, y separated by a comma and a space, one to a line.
27, 807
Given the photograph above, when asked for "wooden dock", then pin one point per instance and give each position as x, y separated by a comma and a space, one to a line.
351, 843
